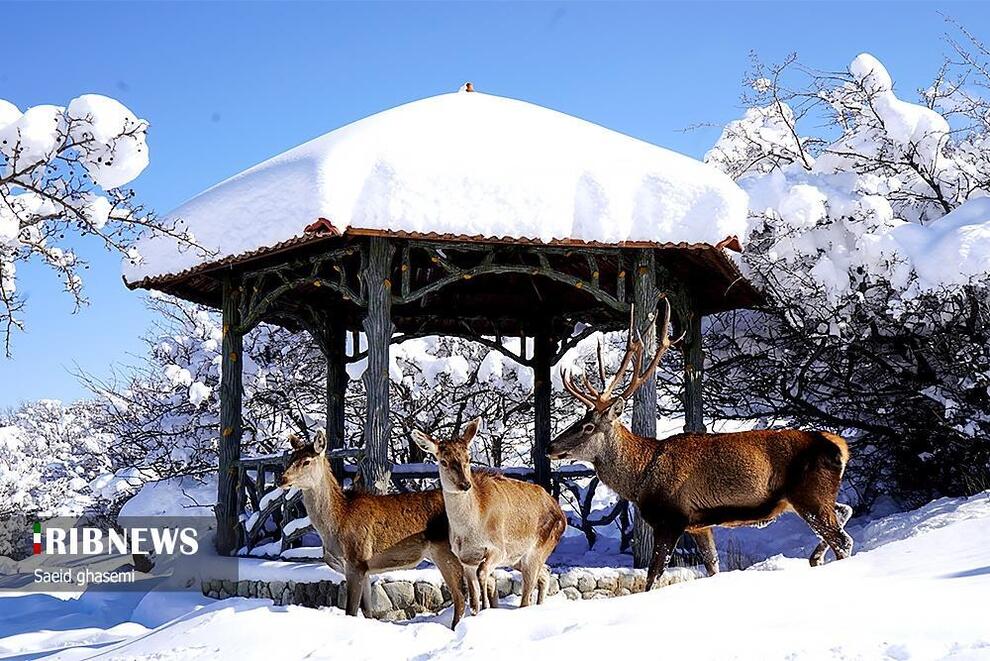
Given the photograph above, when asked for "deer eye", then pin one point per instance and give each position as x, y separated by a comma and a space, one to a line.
306, 462
588, 428
443, 462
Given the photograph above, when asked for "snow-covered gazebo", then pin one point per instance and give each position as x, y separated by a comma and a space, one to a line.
461, 214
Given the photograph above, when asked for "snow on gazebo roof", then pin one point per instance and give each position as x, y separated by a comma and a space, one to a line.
464, 164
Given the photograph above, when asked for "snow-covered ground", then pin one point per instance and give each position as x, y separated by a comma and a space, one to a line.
916, 589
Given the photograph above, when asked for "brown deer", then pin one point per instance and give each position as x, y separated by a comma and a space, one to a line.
692, 482
495, 521
370, 533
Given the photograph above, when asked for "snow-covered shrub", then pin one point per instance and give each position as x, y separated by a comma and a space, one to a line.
871, 238
55, 461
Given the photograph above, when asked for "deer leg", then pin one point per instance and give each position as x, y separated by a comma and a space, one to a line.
355, 587
664, 541
492, 592
530, 576
705, 541
825, 524
332, 561
453, 575
489, 593
842, 514
366, 598
542, 583
474, 587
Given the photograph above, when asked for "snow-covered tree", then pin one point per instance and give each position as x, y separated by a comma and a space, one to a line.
56, 461
164, 409
440, 383
63, 175
871, 237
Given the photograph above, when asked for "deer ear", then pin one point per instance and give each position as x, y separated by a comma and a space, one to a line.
320, 442
471, 430
616, 408
296, 442
424, 441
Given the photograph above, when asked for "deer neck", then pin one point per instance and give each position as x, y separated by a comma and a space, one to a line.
325, 505
463, 507
624, 460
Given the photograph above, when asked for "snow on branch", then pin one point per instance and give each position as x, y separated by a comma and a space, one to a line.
63, 172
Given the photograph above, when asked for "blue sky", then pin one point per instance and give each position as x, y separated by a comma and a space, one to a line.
227, 85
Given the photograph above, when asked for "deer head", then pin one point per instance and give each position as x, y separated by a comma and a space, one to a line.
584, 439
452, 456
306, 463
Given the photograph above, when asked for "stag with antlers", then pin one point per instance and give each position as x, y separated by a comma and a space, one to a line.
692, 482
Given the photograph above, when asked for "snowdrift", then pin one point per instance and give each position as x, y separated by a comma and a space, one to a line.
918, 590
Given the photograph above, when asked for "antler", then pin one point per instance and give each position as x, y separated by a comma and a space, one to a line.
634, 349
592, 398
664, 343
565, 377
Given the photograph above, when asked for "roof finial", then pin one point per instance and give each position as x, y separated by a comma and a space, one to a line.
466, 87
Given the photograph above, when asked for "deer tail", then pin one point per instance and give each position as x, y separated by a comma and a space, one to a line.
836, 451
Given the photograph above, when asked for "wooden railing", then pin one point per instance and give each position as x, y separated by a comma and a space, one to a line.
273, 521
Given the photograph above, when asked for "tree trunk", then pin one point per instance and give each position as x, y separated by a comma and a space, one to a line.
644, 421
694, 371
376, 466
542, 399
229, 447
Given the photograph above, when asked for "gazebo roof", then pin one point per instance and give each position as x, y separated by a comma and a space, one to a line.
463, 166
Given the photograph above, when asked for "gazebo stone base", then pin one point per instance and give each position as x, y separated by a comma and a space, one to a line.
395, 599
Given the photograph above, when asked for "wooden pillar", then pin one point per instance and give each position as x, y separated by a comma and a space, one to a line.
644, 420
376, 465
694, 371
335, 350
229, 447
543, 347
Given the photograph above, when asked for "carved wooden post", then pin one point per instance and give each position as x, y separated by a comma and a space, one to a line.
229, 447
644, 421
335, 350
694, 371
542, 400
376, 466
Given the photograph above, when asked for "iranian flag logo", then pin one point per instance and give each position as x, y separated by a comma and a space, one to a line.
37, 538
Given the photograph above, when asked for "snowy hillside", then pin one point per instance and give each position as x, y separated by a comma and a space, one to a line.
918, 592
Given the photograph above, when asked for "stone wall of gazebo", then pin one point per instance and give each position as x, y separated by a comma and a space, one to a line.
399, 599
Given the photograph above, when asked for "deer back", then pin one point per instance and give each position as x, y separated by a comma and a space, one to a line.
370, 524
743, 473
515, 513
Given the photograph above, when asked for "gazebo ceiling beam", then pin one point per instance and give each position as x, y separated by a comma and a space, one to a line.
269, 291
265, 290
491, 265
265, 287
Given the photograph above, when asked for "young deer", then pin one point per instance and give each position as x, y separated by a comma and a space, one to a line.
495, 521
370, 533
691, 482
